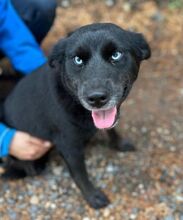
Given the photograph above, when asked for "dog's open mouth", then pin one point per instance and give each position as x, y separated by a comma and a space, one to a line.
104, 118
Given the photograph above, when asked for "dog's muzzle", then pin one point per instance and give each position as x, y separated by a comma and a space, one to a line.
103, 109
97, 99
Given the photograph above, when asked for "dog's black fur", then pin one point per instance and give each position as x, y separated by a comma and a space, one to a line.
55, 102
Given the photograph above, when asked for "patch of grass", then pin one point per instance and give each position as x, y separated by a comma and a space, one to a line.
174, 4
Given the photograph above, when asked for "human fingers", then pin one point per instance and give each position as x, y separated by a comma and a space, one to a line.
34, 152
39, 142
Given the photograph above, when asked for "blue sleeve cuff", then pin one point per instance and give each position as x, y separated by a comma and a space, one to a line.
5, 141
17, 41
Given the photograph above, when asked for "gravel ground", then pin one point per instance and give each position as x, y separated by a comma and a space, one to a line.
143, 185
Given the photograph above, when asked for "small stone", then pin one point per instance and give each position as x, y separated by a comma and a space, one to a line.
159, 130
127, 7
144, 130
34, 209
34, 200
157, 16
57, 171
110, 3
133, 216
181, 91
179, 198
66, 174
53, 206
20, 197
86, 218
134, 194
73, 185
169, 217
172, 148
106, 213
114, 189
10, 201
65, 3
141, 186
166, 131
134, 129
121, 154
54, 196
110, 168
47, 205
54, 187
12, 215
130, 102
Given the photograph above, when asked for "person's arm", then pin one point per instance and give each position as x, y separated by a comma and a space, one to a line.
21, 145
17, 42
19, 45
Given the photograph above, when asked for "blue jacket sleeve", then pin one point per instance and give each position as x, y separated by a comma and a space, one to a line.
19, 45
6, 135
17, 42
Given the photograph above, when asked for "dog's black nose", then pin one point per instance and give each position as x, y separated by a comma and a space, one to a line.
97, 99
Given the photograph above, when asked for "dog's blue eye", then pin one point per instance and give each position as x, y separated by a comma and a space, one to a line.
78, 61
116, 56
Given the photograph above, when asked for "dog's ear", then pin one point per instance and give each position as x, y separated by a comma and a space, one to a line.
139, 46
57, 54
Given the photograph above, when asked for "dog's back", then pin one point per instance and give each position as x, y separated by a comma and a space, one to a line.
7, 83
22, 108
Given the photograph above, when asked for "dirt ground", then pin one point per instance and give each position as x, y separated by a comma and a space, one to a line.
143, 185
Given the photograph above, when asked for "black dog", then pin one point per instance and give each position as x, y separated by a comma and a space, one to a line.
89, 75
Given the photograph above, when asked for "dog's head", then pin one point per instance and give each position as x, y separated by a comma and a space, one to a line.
98, 64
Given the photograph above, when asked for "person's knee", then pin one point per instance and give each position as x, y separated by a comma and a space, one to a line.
46, 8
44, 11
38, 15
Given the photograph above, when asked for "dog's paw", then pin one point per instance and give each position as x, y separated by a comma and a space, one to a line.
12, 174
97, 199
33, 170
124, 145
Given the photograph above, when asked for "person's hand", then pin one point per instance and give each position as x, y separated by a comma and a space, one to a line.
26, 147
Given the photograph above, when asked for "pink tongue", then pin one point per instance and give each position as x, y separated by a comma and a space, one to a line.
104, 118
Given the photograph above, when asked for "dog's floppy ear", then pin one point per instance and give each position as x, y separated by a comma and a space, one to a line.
57, 54
139, 45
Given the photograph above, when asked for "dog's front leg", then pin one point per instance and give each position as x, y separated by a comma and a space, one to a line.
74, 158
118, 143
